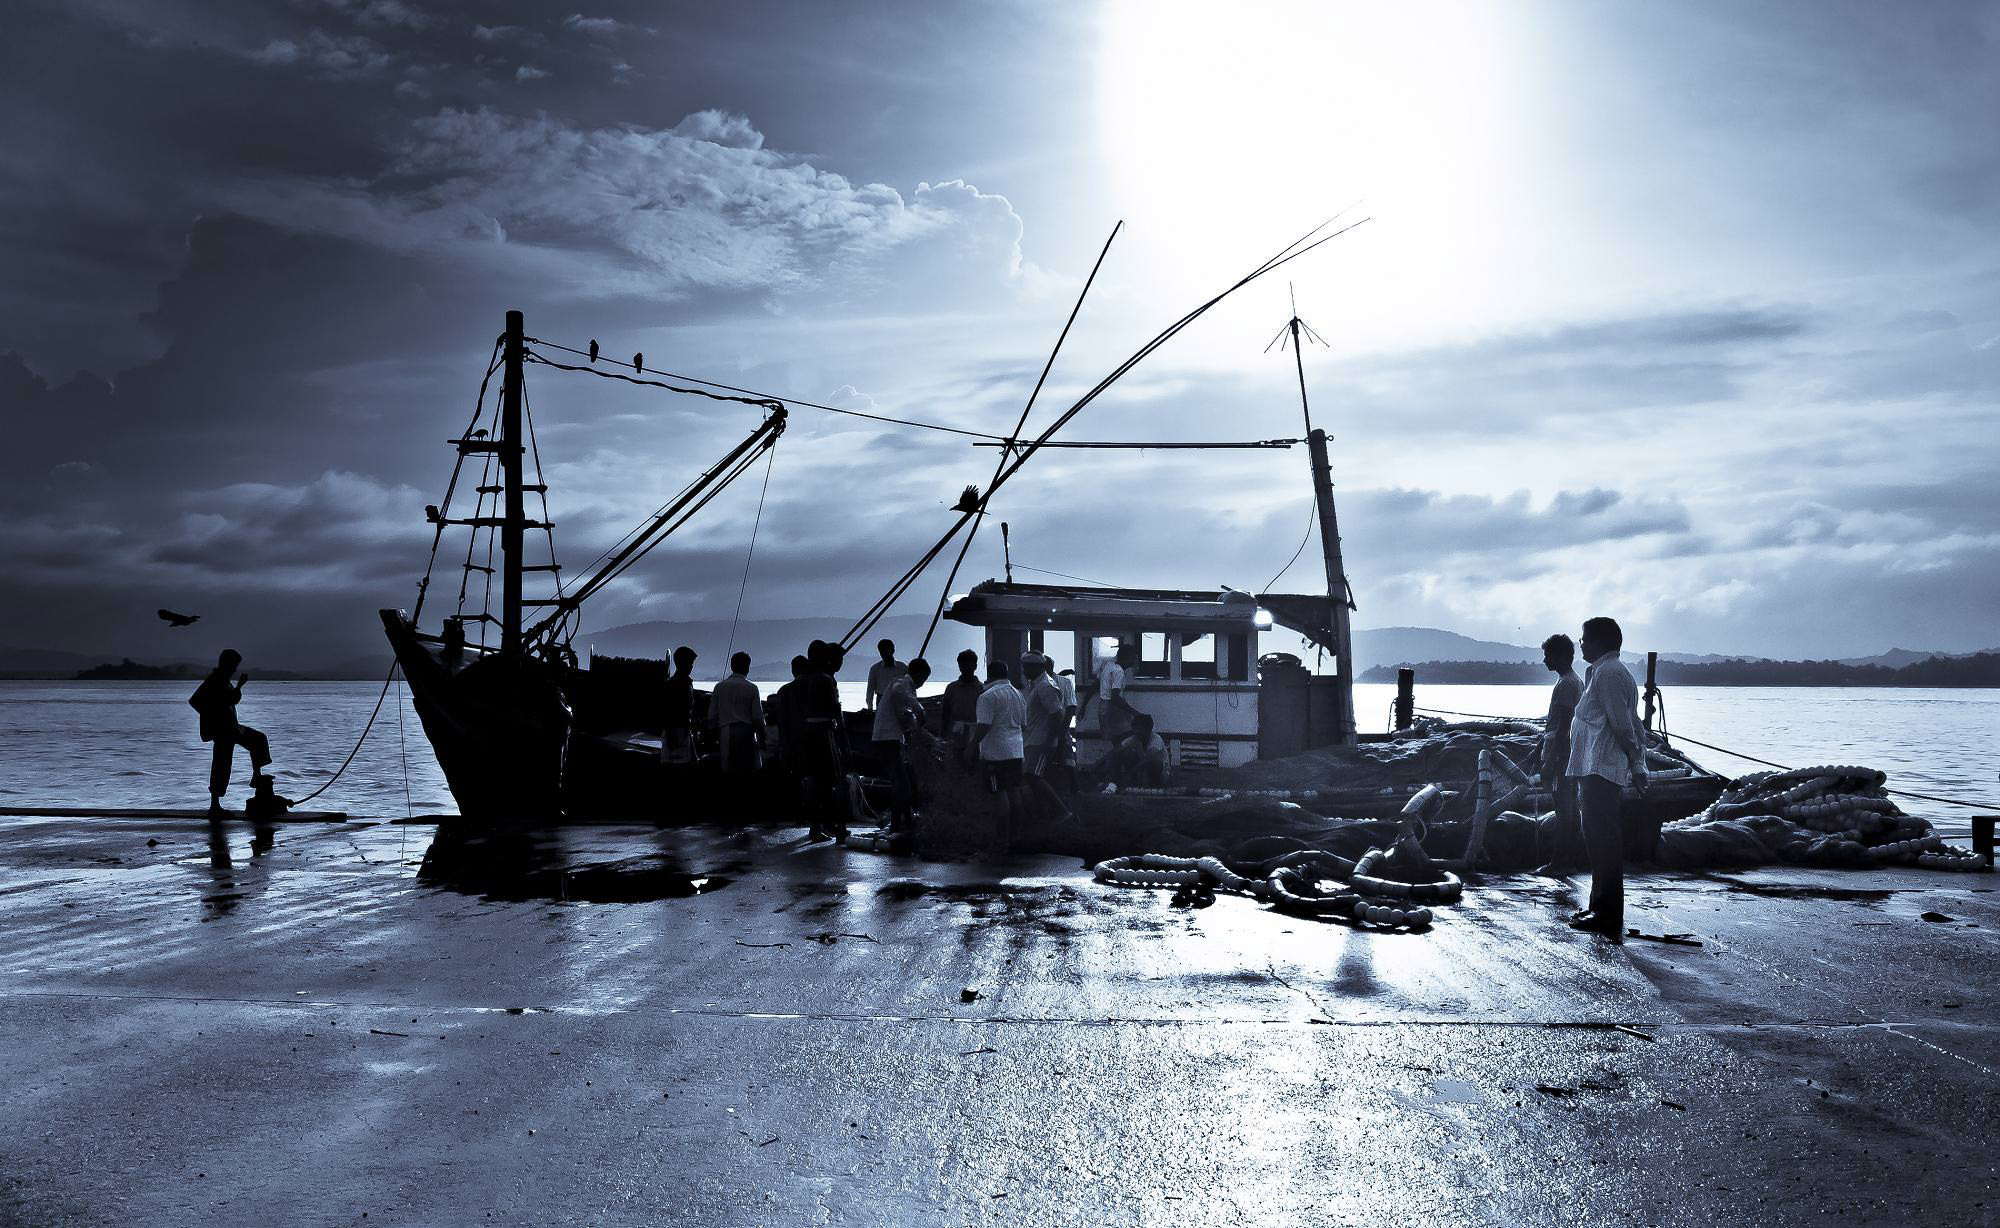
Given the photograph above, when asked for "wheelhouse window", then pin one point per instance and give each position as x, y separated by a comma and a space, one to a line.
1198, 656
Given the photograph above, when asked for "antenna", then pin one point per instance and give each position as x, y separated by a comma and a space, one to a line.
1338, 591
1007, 552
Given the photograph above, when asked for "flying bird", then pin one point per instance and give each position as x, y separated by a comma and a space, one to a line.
178, 620
593, 349
638, 362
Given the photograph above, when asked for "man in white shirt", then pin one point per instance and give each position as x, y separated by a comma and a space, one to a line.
1065, 756
1114, 714
899, 717
1605, 755
881, 674
999, 732
1042, 702
738, 712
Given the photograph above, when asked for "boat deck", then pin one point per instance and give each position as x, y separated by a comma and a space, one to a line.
744, 1030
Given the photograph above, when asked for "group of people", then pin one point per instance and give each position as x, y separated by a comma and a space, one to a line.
1592, 750
1015, 727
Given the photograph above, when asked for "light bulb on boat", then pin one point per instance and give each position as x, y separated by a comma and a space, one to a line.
1261, 620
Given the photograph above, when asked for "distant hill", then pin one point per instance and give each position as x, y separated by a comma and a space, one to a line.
1391, 646
1896, 658
1973, 670
45, 663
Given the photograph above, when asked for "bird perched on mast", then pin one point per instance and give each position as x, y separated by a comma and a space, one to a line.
638, 362
593, 349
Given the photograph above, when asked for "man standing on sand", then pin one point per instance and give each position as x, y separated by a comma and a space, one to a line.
1565, 851
216, 699
1605, 755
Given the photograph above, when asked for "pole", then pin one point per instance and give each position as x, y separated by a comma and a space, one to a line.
1406, 698
1652, 685
1007, 552
1329, 538
510, 468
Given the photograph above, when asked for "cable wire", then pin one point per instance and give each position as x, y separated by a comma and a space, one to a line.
1312, 516
749, 397
770, 463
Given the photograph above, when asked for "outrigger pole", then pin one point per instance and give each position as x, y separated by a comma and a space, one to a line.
1338, 591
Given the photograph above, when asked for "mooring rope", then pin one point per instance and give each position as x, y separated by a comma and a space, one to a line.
358, 741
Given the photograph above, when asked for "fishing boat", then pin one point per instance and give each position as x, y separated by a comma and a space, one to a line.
520, 727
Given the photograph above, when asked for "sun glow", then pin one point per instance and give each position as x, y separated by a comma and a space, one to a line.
1229, 129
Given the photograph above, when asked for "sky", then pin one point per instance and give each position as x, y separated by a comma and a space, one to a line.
1687, 314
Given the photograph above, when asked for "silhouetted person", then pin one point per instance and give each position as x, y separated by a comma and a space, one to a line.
881, 674
1000, 736
1566, 850
898, 718
1139, 759
1605, 755
789, 713
960, 711
216, 699
826, 742
677, 731
738, 712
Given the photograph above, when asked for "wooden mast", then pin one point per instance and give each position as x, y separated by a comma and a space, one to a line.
511, 449
1337, 590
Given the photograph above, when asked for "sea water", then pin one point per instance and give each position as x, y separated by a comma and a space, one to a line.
134, 744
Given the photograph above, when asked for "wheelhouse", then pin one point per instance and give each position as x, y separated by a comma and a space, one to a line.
1213, 699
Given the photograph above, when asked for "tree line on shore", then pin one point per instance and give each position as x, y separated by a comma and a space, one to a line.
1978, 670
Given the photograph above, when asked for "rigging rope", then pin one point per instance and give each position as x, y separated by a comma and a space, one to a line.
1065, 575
1312, 515
770, 462
760, 398
444, 508
1020, 424
1538, 720
1291, 251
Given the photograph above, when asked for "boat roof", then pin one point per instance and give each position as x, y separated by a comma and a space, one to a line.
995, 603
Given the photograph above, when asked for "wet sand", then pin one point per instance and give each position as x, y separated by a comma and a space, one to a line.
691, 1028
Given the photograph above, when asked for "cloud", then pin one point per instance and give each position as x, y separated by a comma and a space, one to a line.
659, 213
528, 72
333, 56
601, 27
